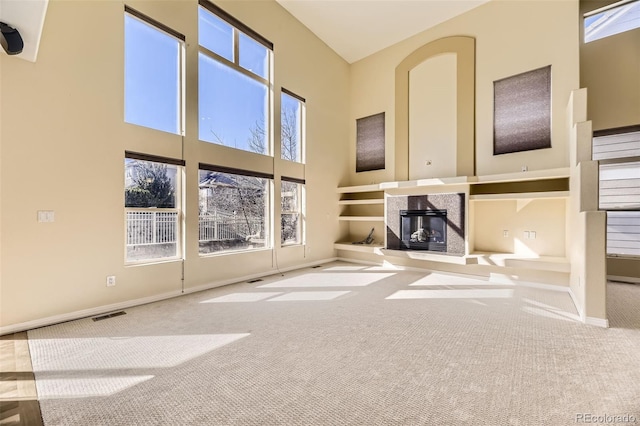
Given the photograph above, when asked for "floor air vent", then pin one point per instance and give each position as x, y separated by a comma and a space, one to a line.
257, 280
105, 316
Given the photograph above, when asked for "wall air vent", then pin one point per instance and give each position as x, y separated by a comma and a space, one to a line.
111, 315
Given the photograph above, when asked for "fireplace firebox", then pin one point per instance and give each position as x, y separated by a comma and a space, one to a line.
423, 230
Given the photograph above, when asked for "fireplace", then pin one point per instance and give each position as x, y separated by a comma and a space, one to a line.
423, 230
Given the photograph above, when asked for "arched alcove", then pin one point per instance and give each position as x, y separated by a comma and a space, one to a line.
464, 50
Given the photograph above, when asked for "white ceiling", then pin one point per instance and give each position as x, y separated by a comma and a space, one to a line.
27, 16
355, 29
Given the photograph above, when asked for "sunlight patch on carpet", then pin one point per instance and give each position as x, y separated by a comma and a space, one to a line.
86, 387
242, 297
453, 294
107, 353
295, 296
324, 279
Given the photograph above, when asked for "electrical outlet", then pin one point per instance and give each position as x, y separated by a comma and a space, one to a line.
505, 233
525, 168
111, 280
46, 216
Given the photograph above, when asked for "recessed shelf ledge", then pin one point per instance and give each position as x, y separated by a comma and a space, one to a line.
512, 260
431, 256
558, 173
362, 218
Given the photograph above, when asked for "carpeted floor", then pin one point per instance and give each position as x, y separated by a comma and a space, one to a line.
345, 345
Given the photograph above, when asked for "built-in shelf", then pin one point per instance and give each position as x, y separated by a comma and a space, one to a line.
512, 260
526, 185
361, 202
558, 173
520, 196
359, 188
362, 218
431, 256
362, 248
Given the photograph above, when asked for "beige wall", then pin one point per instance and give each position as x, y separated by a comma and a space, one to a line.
63, 141
545, 217
626, 269
609, 68
509, 40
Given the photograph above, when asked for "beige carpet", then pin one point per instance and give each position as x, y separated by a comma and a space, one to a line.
345, 344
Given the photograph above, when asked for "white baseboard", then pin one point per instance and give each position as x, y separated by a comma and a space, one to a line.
618, 278
598, 322
55, 319
576, 304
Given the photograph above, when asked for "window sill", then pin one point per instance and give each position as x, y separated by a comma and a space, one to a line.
231, 252
152, 262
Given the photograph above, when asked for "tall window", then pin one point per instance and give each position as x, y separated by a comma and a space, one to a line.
152, 207
234, 82
292, 217
292, 126
611, 20
234, 210
153, 66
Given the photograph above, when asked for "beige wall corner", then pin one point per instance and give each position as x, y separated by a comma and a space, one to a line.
587, 225
595, 274
587, 176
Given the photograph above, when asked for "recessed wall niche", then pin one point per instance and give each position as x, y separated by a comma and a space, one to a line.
464, 49
432, 118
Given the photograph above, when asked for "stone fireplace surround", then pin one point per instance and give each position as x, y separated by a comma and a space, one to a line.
454, 204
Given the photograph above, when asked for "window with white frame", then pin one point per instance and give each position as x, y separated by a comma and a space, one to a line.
234, 82
233, 210
610, 20
153, 73
291, 126
152, 193
292, 211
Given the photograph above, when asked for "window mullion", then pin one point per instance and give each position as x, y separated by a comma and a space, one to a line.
236, 47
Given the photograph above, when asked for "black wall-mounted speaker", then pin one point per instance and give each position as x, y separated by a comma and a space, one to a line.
10, 39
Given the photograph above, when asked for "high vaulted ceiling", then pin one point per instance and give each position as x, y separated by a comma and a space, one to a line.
357, 28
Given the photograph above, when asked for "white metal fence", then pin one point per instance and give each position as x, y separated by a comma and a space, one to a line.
217, 228
160, 227
151, 227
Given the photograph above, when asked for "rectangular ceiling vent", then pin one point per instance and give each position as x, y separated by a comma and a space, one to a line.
111, 315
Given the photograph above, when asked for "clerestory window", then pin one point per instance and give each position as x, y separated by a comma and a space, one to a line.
153, 73
234, 83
